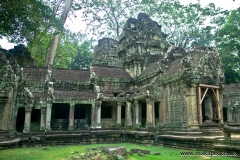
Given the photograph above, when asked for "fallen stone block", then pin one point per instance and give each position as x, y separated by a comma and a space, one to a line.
119, 150
134, 150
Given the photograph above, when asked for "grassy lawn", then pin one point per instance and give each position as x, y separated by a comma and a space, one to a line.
64, 153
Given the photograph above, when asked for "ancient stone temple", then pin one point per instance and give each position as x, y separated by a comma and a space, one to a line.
137, 81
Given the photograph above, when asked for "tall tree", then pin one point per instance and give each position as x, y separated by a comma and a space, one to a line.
67, 50
107, 17
22, 20
55, 39
185, 24
228, 43
83, 57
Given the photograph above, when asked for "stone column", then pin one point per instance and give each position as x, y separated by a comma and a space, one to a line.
136, 103
128, 114
231, 115
149, 122
238, 115
140, 113
119, 108
71, 117
27, 122
208, 107
153, 113
191, 108
96, 117
159, 114
14, 118
48, 116
43, 119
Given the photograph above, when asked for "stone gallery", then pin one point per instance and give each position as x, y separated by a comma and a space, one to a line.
137, 83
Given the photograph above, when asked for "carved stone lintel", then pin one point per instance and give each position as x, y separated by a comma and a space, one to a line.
28, 109
43, 110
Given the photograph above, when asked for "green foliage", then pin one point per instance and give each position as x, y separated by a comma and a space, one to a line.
228, 43
69, 54
83, 57
23, 20
185, 24
56, 153
107, 17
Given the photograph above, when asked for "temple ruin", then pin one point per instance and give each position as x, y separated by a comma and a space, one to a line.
137, 82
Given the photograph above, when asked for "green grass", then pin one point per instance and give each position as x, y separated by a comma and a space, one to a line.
63, 153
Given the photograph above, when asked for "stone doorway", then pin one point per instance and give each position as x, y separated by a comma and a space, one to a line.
157, 113
123, 116
35, 119
60, 116
106, 115
208, 103
225, 115
143, 114
82, 116
20, 120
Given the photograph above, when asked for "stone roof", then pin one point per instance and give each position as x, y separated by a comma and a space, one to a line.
111, 72
111, 92
150, 69
174, 68
39, 94
232, 87
70, 75
34, 74
74, 94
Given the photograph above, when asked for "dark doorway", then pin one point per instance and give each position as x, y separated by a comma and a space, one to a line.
60, 116
123, 115
123, 112
144, 114
35, 120
61, 111
106, 112
82, 116
20, 119
156, 109
225, 118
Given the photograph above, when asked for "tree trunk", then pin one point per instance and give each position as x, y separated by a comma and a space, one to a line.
55, 39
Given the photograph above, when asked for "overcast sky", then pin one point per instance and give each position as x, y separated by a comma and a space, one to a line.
78, 25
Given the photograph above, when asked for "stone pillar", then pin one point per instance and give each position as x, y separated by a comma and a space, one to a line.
119, 108
48, 116
27, 122
7, 112
43, 119
153, 113
191, 108
128, 114
114, 112
71, 117
96, 117
137, 122
208, 108
14, 119
140, 113
238, 115
149, 122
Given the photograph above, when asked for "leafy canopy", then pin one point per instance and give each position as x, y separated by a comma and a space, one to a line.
22, 20
228, 43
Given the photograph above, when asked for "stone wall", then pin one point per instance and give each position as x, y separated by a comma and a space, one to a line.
231, 102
